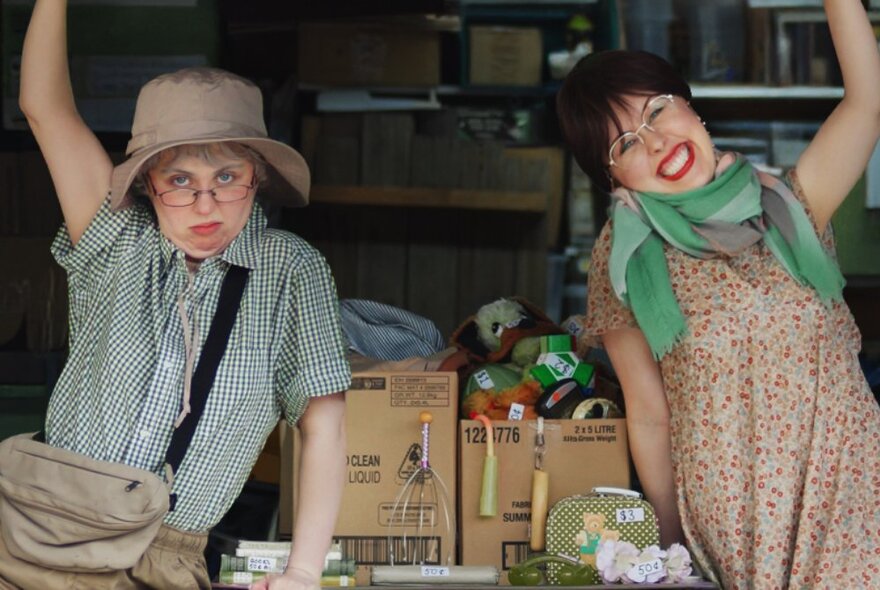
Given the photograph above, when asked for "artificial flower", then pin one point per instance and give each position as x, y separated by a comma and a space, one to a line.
649, 554
678, 563
614, 558
621, 561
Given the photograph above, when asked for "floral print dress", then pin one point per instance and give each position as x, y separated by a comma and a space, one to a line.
775, 432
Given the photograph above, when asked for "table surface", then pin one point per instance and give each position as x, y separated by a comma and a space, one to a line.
691, 586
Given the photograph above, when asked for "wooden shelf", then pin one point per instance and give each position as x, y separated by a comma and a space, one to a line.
530, 2
795, 4
697, 585
751, 92
405, 196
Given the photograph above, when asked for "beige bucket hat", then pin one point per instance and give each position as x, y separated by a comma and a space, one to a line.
206, 105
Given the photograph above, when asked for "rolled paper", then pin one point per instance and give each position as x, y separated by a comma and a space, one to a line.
540, 491
489, 489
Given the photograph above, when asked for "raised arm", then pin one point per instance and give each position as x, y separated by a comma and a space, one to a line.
647, 425
838, 155
79, 165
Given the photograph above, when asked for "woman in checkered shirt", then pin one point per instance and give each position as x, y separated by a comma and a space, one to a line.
146, 245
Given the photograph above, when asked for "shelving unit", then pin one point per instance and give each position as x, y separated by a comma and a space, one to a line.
762, 92
439, 247
796, 3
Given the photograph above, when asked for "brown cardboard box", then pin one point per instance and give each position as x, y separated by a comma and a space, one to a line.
580, 454
384, 449
368, 54
505, 56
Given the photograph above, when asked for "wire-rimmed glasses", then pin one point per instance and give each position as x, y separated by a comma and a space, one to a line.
625, 150
184, 197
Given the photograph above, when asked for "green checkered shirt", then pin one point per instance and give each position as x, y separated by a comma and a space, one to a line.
122, 386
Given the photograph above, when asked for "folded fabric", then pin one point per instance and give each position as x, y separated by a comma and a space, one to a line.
386, 332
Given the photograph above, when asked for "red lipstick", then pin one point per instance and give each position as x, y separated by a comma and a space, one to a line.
674, 155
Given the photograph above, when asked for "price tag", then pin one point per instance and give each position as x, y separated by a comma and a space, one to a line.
640, 572
517, 411
434, 571
242, 577
483, 380
630, 514
262, 564
560, 365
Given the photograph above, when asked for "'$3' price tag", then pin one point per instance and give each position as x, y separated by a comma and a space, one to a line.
630, 515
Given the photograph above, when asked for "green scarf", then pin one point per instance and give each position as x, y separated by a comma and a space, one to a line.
737, 209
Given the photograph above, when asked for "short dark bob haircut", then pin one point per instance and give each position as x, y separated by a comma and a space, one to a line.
598, 82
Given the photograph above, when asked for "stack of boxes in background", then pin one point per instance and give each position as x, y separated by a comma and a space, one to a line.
505, 55
451, 147
369, 53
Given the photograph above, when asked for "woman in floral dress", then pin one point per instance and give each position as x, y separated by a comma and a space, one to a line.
715, 291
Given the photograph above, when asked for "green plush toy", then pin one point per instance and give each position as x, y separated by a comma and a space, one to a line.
502, 342
494, 319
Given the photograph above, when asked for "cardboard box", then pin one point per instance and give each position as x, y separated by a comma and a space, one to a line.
267, 469
384, 449
367, 54
505, 56
580, 454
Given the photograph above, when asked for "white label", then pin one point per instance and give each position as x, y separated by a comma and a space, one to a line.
434, 571
262, 564
242, 577
560, 365
483, 380
640, 572
517, 411
630, 515
346, 581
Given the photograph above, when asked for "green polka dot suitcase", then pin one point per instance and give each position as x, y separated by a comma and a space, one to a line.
576, 525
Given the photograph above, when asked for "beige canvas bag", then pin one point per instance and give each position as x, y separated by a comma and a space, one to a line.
66, 511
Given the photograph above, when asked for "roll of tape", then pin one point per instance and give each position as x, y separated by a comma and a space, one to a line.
596, 407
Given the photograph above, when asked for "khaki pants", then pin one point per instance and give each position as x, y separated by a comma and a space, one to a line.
173, 561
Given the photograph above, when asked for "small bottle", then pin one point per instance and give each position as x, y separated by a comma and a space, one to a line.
579, 35
578, 43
